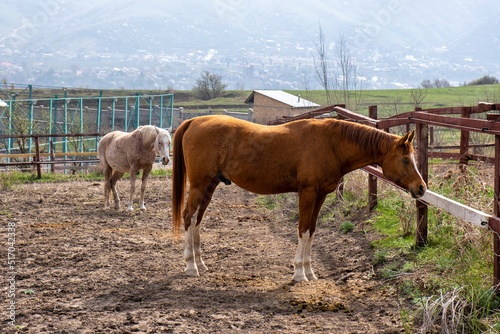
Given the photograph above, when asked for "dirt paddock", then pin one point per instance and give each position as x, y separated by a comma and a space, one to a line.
82, 269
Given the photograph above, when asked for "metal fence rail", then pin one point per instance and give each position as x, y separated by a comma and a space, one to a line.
67, 114
36, 157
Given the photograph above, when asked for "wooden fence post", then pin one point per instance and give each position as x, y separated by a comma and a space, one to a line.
422, 164
372, 179
37, 157
464, 139
52, 155
496, 213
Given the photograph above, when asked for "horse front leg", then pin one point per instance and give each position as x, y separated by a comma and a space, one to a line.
309, 205
133, 174
145, 175
308, 242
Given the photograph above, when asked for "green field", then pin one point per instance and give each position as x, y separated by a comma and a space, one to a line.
389, 101
395, 101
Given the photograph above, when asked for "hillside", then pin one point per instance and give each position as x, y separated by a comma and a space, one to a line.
389, 101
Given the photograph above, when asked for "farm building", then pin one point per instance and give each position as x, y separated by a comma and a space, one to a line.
272, 104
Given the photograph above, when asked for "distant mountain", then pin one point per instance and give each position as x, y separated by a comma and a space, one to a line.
125, 25
452, 31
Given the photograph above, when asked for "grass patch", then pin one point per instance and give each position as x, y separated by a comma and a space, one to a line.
11, 178
346, 227
449, 280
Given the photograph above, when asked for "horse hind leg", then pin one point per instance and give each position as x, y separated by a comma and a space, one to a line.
197, 204
112, 182
201, 211
108, 171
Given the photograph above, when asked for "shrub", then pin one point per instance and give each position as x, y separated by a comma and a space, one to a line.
486, 80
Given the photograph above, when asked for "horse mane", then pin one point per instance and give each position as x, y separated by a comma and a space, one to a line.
149, 133
371, 139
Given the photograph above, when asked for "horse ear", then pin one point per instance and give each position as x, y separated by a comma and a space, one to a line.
403, 140
411, 135
407, 138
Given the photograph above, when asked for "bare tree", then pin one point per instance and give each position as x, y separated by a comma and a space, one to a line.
417, 97
352, 89
322, 66
344, 88
437, 83
426, 84
209, 86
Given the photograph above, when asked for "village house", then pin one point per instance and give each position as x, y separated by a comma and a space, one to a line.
269, 105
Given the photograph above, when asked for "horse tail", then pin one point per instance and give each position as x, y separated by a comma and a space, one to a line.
179, 178
101, 149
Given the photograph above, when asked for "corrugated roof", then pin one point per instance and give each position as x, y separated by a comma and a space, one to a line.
284, 97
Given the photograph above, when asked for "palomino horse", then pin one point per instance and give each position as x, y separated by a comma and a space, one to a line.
307, 156
122, 152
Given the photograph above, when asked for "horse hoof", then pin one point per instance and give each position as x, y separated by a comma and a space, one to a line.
192, 272
300, 278
202, 267
312, 277
143, 208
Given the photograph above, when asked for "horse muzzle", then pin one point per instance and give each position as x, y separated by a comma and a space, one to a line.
418, 192
165, 160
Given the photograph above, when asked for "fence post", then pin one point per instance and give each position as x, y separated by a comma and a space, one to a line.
422, 209
496, 213
161, 112
137, 118
464, 139
52, 155
37, 157
150, 110
99, 112
372, 179
54, 129
31, 117
65, 129
113, 106
125, 116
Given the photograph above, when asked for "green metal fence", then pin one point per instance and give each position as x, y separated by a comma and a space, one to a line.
27, 114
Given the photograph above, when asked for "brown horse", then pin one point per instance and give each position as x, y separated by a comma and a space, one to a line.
307, 156
123, 152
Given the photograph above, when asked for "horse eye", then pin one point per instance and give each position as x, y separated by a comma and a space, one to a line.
406, 161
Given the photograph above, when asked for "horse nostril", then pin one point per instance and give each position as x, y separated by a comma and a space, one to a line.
421, 189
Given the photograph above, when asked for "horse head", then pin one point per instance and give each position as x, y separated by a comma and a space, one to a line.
399, 166
162, 145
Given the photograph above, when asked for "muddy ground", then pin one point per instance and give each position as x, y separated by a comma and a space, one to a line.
82, 269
